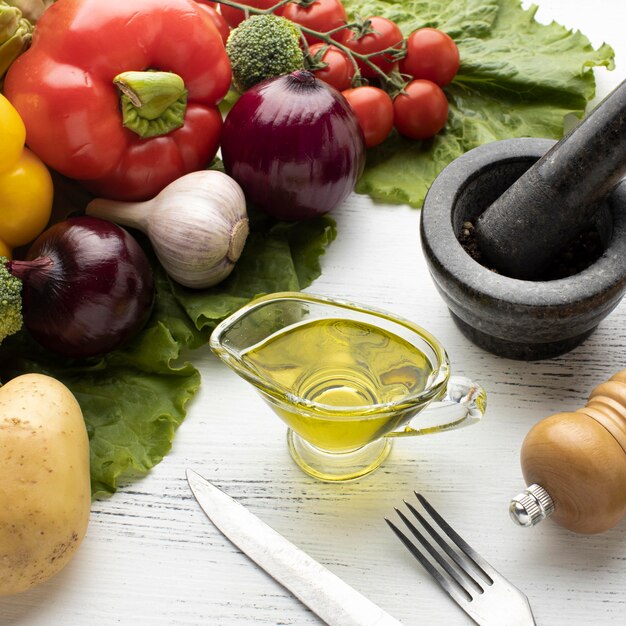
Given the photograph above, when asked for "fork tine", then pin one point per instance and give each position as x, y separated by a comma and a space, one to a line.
487, 570
435, 555
454, 565
446, 584
468, 567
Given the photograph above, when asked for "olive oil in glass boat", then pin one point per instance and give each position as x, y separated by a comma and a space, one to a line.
344, 378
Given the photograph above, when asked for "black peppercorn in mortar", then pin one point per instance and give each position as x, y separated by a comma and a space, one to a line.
583, 251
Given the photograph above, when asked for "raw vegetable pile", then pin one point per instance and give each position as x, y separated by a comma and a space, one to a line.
516, 78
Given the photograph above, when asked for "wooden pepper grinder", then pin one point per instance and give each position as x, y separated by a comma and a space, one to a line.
575, 464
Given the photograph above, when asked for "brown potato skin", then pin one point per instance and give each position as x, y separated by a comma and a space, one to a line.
45, 491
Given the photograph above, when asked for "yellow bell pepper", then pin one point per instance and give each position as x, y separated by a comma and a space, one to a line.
26, 189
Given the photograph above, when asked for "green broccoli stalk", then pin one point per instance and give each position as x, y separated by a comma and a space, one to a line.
10, 302
263, 46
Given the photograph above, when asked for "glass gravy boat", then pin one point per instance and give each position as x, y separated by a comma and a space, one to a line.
345, 378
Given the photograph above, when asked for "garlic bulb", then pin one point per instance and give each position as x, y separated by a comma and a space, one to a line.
197, 225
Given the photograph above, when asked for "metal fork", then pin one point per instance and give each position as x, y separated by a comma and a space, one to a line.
484, 594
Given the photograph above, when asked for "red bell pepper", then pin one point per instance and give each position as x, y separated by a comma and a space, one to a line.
122, 94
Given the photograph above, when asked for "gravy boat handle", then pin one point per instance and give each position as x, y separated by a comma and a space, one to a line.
463, 404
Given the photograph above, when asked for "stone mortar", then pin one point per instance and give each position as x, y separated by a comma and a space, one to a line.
518, 319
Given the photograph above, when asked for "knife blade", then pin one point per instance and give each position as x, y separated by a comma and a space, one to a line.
323, 592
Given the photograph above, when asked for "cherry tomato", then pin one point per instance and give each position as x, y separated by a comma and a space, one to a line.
431, 54
385, 34
217, 18
339, 70
234, 17
322, 16
374, 110
421, 112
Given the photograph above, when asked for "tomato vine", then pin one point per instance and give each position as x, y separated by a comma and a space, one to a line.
393, 82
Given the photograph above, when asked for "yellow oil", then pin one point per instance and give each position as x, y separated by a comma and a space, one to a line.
338, 363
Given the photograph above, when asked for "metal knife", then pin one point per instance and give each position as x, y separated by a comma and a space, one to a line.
325, 594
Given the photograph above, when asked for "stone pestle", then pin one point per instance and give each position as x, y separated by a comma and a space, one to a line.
553, 201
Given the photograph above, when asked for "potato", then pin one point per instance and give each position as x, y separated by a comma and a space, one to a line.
45, 493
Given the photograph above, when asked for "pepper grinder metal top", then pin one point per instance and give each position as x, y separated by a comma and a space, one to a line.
531, 506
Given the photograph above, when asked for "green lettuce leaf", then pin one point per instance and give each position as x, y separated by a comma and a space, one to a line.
518, 78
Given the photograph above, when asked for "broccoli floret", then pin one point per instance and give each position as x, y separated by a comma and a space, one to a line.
261, 47
10, 302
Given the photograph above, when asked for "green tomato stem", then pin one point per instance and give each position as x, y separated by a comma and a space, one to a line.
271, 9
330, 33
393, 83
153, 103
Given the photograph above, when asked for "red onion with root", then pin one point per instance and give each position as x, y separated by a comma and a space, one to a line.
87, 287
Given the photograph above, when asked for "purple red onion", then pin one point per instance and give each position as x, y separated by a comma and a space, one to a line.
87, 287
294, 145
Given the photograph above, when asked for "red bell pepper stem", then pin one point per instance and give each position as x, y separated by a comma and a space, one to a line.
153, 103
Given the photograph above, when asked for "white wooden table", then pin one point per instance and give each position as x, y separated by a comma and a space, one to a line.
151, 556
